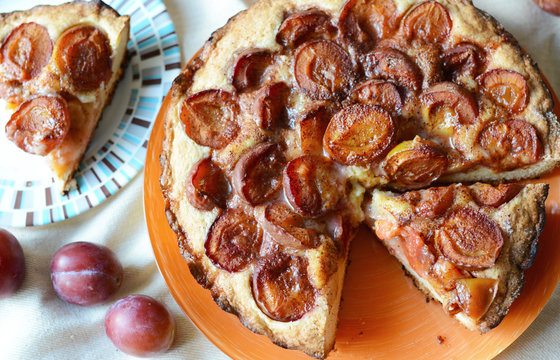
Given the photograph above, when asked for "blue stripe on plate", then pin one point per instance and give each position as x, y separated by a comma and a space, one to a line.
173, 50
139, 26
168, 41
45, 217
82, 183
167, 29
121, 147
149, 41
136, 164
99, 195
126, 7
129, 170
150, 100
70, 210
113, 161
104, 169
131, 139
111, 187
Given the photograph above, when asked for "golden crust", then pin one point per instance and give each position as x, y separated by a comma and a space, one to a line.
88, 107
523, 221
211, 69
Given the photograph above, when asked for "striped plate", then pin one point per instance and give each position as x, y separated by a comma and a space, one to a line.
118, 150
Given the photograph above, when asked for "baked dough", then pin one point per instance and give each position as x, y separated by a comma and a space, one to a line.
296, 109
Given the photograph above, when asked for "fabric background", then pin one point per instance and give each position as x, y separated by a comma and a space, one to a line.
36, 324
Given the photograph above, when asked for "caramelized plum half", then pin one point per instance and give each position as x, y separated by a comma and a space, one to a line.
340, 229
488, 195
469, 239
350, 30
26, 51
506, 88
281, 287
83, 52
418, 254
427, 22
392, 64
234, 240
362, 21
312, 185
207, 186
446, 273
39, 125
304, 26
257, 176
476, 295
209, 118
510, 144
323, 70
464, 59
359, 134
415, 164
447, 103
379, 92
312, 128
270, 105
431, 203
386, 230
428, 59
286, 227
250, 68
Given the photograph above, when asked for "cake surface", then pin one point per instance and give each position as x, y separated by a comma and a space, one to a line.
60, 65
296, 109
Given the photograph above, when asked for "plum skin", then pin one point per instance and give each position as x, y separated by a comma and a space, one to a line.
12, 264
140, 325
84, 273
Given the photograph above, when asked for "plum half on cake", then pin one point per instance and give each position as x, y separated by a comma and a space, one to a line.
59, 66
296, 119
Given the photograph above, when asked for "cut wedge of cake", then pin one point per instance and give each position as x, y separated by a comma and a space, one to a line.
465, 246
59, 67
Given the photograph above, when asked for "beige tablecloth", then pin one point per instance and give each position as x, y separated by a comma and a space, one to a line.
36, 324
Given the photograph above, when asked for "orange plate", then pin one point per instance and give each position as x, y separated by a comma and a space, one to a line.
382, 315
